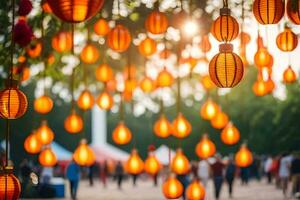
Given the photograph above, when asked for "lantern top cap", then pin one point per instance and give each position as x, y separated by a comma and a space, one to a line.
226, 48
83, 141
11, 83
225, 11
6, 170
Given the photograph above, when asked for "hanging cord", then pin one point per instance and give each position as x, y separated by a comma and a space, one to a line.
121, 108
178, 77
43, 44
225, 3
72, 82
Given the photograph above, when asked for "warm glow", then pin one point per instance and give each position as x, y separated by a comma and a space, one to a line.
289, 75
47, 158
162, 127
147, 47
10, 187
152, 165
205, 148
164, 79
45, 134
85, 100
84, 155
101, 27
43, 104
134, 164
104, 73
181, 126
147, 84
260, 88
209, 109
195, 191
32, 144
130, 85
220, 120
121, 135
89, 54
180, 164
243, 157
172, 188
34, 50
62, 42
230, 135
262, 58
207, 82
105, 101
73, 123
190, 28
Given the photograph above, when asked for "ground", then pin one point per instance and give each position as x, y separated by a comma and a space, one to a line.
146, 191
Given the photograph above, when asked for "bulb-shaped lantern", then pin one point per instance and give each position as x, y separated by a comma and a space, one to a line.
121, 135
205, 148
172, 188
105, 100
73, 123
209, 109
180, 164
243, 157
230, 135
164, 78
44, 133
181, 126
207, 82
147, 47
62, 42
162, 127
34, 50
101, 27
205, 44
152, 165
195, 191
47, 158
10, 187
13, 102
104, 73
134, 164
43, 104
85, 100
119, 38
289, 75
287, 41
147, 84
84, 155
89, 54
220, 120
32, 144
260, 88
156, 22
262, 57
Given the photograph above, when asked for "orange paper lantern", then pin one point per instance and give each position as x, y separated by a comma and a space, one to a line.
268, 11
152, 165
119, 38
220, 120
195, 191
104, 73
62, 42
147, 84
73, 123
105, 101
10, 187
289, 75
32, 144
230, 135
89, 54
260, 87
164, 79
172, 188
205, 44
130, 85
44, 133
156, 23
207, 82
243, 157
84, 155
101, 27
43, 104
162, 127
47, 158
147, 47
75, 11
245, 38
86, 100
293, 11
262, 58
226, 69
209, 109
134, 164
287, 41
121, 134
180, 164
181, 126
205, 148
34, 50
13, 102
22, 71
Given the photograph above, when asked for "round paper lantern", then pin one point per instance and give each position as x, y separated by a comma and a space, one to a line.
32, 144
73, 123
34, 50
44, 133
162, 127
121, 135
152, 165
220, 120
134, 164
207, 82
47, 158
180, 164
243, 157
130, 85
84, 155
22, 71
119, 38
105, 101
172, 188
181, 126
164, 78
85, 100
62, 42
205, 148
268, 11
10, 187
205, 44
13, 102
262, 57
43, 104
293, 11
89, 54
209, 109
270, 85
260, 88
101, 27
104, 73
230, 135
195, 191
226, 69
289, 75
147, 84
225, 28
287, 41
156, 23
75, 11
147, 47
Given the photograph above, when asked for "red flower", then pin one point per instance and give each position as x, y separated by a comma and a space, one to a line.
25, 7
22, 33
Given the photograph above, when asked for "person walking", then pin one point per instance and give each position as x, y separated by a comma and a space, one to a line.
230, 175
295, 174
104, 172
268, 169
119, 173
185, 181
204, 172
284, 172
217, 172
73, 175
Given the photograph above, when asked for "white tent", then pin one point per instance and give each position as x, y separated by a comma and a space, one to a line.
164, 154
